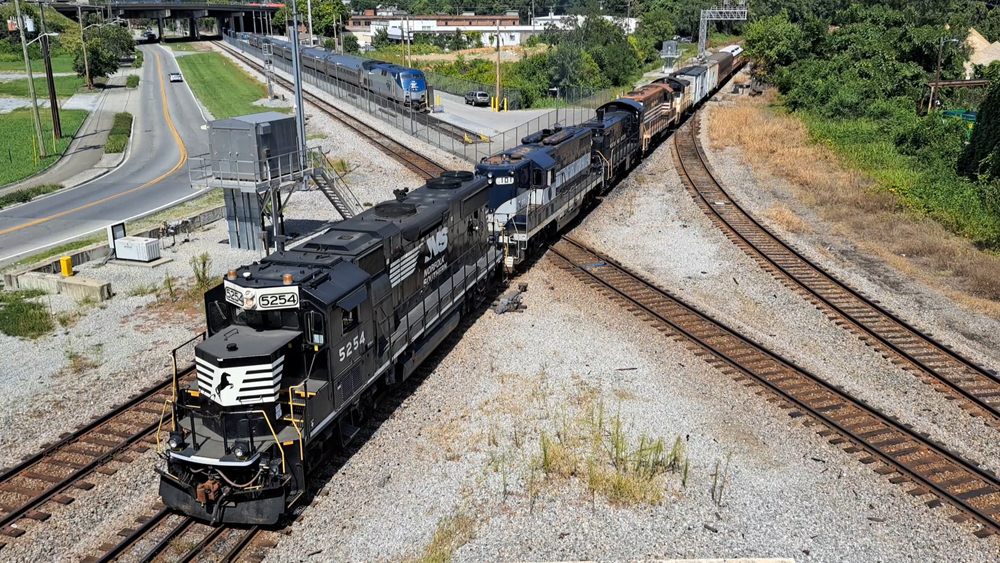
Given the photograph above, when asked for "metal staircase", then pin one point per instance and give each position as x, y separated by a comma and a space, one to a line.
333, 186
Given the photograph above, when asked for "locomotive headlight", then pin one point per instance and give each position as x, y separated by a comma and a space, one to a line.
176, 440
489, 174
241, 450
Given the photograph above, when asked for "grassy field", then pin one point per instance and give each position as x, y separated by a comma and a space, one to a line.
17, 129
62, 63
224, 89
66, 86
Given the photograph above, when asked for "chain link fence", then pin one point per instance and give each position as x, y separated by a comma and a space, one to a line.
468, 145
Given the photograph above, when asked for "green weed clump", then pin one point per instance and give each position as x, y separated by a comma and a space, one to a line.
132, 81
598, 449
21, 316
137, 62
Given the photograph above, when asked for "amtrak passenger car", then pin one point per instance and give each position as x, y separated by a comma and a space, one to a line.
302, 342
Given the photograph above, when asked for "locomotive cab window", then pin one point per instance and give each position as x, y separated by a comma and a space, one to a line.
314, 329
537, 177
350, 320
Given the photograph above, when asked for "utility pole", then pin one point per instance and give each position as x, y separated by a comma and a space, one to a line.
31, 79
53, 102
83, 42
937, 79
409, 40
297, 80
498, 65
309, 8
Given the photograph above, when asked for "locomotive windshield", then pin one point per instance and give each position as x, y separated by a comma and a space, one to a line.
262, 320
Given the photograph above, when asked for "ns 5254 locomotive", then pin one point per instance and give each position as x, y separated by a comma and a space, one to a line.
300, 342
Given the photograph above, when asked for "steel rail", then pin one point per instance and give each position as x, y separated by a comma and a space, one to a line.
45, 457
924, 353
413, 160
860, 427
136, 535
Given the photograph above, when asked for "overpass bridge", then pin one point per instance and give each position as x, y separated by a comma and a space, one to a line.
231, 15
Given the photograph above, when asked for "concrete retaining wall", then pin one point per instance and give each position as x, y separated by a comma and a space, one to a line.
98, 251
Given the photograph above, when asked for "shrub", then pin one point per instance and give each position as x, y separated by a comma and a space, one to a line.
132, 81
116, 144
137, 62
122, 124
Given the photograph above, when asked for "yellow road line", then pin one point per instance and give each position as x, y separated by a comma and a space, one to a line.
177, 138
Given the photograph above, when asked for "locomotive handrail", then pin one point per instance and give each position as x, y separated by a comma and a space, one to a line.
277, 442
173, 360
159, 427
305, 414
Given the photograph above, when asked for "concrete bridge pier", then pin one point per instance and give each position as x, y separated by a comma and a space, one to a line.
159, 28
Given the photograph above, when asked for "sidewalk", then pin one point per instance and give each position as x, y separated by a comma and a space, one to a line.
84, 159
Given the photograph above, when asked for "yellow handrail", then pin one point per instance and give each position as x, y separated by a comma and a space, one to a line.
275, 436
159, 427
291, 414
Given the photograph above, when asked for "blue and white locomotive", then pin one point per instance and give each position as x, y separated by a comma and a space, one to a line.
402, 85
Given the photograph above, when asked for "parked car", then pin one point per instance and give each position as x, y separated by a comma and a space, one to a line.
176, 77
478, 98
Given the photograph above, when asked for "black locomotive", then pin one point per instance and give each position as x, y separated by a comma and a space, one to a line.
299, 342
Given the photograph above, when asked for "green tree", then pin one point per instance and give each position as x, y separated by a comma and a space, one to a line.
351, 44
772, 43
380, 39
325, 16
655, 27
101, 59
114, 38
980, 160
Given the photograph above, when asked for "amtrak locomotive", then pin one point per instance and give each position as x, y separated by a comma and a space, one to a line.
300, 343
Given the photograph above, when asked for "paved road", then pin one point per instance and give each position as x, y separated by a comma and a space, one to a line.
166, 131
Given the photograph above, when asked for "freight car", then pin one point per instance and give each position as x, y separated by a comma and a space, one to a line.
301, 342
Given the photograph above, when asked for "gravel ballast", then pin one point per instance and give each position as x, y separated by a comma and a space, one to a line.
461, 456
466, 442
109, 351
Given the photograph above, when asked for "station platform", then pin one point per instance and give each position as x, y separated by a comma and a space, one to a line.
481, 120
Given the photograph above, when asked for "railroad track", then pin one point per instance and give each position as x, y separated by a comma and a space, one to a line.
54, 473
170, 536
891, 448
938, 366
413, 160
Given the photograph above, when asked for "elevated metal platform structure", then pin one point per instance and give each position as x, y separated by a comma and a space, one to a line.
731, 10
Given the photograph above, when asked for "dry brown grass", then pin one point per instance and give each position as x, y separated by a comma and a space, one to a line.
452, 533
778, 145
785, 218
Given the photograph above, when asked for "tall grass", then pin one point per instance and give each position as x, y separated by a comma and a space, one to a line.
925, 223
599, 449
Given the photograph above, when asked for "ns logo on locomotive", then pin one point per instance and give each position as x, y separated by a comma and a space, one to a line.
300, 343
